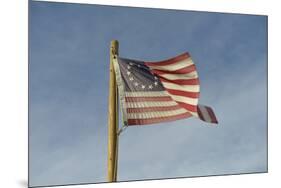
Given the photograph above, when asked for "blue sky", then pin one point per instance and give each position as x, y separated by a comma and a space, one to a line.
68, 90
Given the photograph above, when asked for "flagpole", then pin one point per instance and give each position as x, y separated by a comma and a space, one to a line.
112, 118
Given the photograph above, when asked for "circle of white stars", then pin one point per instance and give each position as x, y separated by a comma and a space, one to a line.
135, 83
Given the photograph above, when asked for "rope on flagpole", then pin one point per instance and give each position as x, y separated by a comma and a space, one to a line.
123, 128
117, 138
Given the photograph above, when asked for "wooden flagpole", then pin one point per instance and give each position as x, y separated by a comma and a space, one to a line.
112, 117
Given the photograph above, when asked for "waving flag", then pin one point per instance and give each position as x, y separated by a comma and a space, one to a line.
153, 92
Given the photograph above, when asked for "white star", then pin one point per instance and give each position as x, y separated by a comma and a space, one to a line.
143, 86
128, 72
128, 67
139, 66
150, 87
155, 77
131, 78
156, 83
136, 83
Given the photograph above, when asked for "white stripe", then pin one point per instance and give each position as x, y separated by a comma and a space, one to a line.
174, 66
150, 104
187, 76
147, 94
205, 114
192, 101
190, 88
157, 114
195, 114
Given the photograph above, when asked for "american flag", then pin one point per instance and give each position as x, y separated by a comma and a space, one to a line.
154, 92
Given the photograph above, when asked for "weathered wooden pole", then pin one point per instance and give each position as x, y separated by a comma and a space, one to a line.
112, 117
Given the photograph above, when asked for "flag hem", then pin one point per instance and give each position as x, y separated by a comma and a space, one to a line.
121, 90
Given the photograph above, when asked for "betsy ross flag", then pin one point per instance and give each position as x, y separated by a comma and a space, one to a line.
154, 92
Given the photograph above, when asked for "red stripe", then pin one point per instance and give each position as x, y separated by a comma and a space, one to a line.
212, 115
157, 120
183, 93
194, 81
184, 70
146, 99
200, 113
168, 61
153, 109
189, 107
